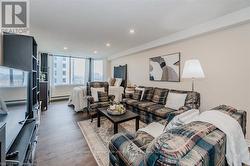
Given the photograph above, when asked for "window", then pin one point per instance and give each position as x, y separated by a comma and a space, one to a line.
61, 70
68, 70
78, 70
98, 70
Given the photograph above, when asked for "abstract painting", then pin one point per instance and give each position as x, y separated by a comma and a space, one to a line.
165, 68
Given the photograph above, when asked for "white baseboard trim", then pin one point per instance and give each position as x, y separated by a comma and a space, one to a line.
248, 142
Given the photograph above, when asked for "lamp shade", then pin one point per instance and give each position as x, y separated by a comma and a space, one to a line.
192, 69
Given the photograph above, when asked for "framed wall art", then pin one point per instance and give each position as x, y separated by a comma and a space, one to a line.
165, 68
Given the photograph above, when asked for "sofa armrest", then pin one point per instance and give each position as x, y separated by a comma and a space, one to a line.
182, 109
122, 147
90, 99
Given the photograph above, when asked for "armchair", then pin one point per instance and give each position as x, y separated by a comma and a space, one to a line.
93, 105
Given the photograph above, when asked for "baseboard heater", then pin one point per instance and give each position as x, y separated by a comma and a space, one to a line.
57, 98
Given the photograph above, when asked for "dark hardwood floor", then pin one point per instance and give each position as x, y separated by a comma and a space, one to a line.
60, 141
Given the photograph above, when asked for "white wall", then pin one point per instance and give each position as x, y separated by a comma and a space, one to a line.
225, 57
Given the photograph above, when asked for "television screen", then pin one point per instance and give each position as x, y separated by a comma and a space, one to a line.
13, 100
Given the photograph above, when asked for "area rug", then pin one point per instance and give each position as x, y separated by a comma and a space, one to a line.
99, 138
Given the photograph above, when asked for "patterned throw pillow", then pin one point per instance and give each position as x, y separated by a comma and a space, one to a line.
137, 95
102, 96
159, 96
148, 93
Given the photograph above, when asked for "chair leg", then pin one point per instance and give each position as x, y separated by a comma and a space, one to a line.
89, 115
91, 118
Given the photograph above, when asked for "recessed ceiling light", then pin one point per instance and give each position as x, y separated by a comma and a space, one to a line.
131, 31
65, 48
95, 52
108, 44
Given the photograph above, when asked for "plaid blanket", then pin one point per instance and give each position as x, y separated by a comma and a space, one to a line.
176, 143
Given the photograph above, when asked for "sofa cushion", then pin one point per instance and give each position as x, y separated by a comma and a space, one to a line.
131, 102
137, 94
163, 112
144, 104
154, 107
159, 95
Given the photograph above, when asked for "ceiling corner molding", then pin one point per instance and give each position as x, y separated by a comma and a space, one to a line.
226, 21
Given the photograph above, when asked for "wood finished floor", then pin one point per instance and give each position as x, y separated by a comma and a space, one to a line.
60, 141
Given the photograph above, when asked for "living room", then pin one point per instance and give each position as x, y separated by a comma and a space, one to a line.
125, 83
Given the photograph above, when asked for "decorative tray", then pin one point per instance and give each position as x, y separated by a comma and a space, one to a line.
112, 112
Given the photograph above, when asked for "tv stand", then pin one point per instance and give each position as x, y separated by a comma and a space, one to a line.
24, 142
21, 148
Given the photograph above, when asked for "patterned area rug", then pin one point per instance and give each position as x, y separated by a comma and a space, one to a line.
99, 138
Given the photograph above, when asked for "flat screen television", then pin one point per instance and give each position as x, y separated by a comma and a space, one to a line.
13, 100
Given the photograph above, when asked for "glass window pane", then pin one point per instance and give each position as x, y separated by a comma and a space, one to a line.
4, 77
98, 70
61, 70
12, 78
77, 71
18, 78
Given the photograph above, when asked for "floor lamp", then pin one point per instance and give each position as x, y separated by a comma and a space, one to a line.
192, 69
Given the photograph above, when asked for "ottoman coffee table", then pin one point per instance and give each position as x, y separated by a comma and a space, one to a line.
116, 119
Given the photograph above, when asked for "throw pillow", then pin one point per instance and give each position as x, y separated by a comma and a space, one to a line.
137, 95
118, 81
148, 93
175, 100
94, 93
142, 90
111, 81
103, 96
159, 96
